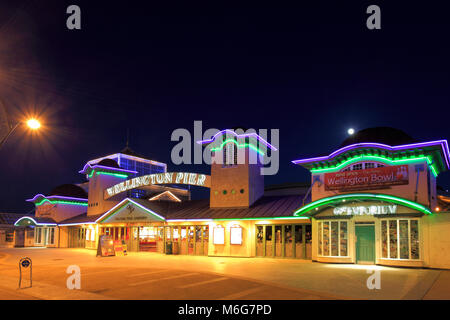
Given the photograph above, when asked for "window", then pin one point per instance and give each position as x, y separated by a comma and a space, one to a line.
363, 165
9, 236
51, 236
400, 239
38, 236
333, 238
369, 165
230, 154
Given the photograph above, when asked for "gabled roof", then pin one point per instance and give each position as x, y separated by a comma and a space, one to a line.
165, 196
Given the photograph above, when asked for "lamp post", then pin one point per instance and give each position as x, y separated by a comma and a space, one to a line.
31, 123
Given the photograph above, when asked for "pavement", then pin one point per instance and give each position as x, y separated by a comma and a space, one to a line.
166, 277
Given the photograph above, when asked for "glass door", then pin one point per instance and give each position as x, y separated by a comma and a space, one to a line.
191, 240
269, 241
260, 241
205, 240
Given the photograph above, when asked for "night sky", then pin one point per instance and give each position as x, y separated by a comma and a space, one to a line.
311, 70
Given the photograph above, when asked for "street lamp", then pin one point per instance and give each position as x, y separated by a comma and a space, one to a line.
33, 124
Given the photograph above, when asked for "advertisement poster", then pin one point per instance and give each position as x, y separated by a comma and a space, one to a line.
219, 235
368, 178
105, 246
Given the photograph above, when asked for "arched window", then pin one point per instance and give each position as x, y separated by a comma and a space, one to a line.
230, 154
363, 166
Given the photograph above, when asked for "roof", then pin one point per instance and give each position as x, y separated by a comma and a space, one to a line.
287, 185
69, 190
267, 206
385, 135
127, 150
82, 218
228, 132
25, 221
9, 218
108, 163
435, 153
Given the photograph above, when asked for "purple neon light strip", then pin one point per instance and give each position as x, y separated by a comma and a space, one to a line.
106, 168
57, 197
443, 143
244, 135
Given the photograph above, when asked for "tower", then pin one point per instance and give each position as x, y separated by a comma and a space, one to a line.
101, 176
236, 162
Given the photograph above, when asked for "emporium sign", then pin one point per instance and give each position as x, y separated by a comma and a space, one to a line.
367, 179
365, 210
194, 179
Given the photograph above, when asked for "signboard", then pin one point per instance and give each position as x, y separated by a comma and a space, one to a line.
366, 179
105, 246
236, 235
194, 179
365, 210
219, 235
125, 248
25, 263
131, 213
119, 248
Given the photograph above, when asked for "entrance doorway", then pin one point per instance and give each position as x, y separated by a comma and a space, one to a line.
365, 243
284, 241
77, 237
148, 237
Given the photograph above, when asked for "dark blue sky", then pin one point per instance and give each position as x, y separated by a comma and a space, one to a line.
310, 70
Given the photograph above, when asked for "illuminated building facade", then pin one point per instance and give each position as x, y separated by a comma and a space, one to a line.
368, 202
376, 202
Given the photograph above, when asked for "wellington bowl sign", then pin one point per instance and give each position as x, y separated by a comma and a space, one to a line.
369, 178
193, 179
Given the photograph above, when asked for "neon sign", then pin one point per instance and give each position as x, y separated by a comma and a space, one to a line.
365, 210
194, 179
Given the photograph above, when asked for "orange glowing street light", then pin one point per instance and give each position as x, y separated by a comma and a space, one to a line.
32, 123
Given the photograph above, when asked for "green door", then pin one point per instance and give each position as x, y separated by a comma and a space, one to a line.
365, 244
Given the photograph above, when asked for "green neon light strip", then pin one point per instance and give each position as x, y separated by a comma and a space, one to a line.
377, 158
62, 202
108, 174
360, 196
242, 145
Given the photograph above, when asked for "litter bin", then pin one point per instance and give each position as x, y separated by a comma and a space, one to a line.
168, 247
175, 248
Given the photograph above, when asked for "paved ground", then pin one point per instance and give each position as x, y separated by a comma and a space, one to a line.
156, 276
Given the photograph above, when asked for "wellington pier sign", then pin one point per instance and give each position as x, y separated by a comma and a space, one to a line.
193, 179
